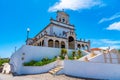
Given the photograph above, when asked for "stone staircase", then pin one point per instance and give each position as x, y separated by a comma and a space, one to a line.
55, 70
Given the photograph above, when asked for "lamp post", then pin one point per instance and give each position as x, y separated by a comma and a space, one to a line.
15, 48
28, 30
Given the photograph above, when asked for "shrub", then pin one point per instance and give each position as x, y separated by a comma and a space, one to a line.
44, 61
4, 61
63, 53
71, 57
79, 53
32, 62
73, 54
119, 50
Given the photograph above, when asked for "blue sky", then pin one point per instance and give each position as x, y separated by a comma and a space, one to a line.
97, 20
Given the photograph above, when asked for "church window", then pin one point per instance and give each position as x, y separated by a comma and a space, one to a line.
63, 20
23, 53
62, 44
50, 43
60, 19
22, 58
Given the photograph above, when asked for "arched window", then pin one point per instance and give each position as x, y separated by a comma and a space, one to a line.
63, 20
83, 47
50, 43
71, 42
42, 42
86, 47
79, 46
62, 44
56, 44
60, 19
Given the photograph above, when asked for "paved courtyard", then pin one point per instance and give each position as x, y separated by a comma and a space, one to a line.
45, 76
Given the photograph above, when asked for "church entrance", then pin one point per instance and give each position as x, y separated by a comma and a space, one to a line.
71, 42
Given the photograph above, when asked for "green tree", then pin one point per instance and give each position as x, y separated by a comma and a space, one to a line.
73, 54
119, 50
79, 53
63, 53
4, 60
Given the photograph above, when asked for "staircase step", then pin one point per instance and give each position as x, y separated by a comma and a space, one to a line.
53, 71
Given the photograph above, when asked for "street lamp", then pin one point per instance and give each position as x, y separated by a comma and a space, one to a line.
15, 48
28, 30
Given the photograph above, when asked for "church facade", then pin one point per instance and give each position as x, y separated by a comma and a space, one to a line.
59, 33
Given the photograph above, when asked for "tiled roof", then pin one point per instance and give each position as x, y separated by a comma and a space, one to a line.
95, 49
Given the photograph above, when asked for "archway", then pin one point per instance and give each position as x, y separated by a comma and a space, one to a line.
71, 43
56, 44
62, 44
78, 46
83, 47
50, 43
40, 43
43, 43
86, 47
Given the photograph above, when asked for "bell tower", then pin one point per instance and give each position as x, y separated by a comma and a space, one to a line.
62, 17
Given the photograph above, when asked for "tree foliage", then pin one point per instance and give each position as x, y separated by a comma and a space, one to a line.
79, 53
63, 53
4, 60
73, 54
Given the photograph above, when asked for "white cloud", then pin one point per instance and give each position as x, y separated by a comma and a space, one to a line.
74, 4
114, 26
117, 15
111, 47
105, 43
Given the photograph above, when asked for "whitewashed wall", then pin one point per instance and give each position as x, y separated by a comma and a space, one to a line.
59, 30
92, 70
37, 69
99, 58
32, 53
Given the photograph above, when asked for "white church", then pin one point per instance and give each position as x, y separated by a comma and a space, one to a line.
59, 33
96, 63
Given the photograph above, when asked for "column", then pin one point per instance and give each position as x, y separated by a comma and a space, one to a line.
45, 42
59, 44
53, 43
75, 45
66, 44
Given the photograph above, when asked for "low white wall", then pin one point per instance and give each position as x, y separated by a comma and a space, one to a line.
37, 69
92, 70
27, 53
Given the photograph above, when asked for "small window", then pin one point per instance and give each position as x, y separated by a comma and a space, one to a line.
63, 20
60, 19
23, 53
22, 58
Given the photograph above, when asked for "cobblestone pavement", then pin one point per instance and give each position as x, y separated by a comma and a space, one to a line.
45, 76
